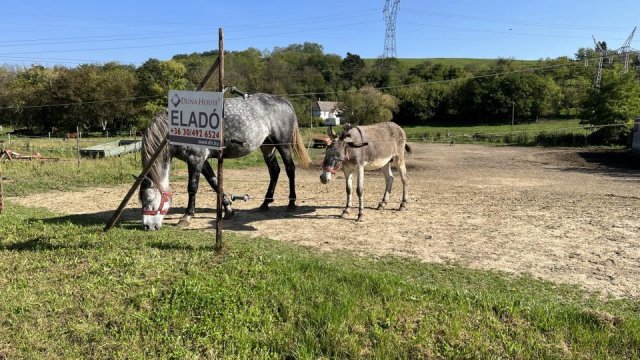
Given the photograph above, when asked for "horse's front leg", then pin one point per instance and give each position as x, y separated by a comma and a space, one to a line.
348, 179
360, 192
268, 152
211, 178
192, 189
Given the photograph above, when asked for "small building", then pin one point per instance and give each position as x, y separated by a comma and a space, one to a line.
328, 111
635, 146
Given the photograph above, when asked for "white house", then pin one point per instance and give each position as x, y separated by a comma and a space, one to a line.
327, 110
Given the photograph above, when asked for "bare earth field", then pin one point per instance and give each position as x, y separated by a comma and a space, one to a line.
564, 215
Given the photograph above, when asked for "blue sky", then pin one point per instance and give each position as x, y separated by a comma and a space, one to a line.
74, 32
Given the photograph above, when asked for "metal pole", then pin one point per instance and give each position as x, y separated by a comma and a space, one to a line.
135, 185
218, 245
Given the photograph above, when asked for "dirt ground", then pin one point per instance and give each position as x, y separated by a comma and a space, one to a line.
565, 215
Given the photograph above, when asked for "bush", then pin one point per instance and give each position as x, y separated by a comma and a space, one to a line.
611, 136
560, 139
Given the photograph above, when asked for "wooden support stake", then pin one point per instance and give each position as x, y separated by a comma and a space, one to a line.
220, 194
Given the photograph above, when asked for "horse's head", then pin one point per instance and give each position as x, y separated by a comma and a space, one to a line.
155, 204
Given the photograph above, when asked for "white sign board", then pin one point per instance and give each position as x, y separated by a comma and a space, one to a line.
195, 118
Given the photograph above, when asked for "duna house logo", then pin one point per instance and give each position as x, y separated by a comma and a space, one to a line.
175, 100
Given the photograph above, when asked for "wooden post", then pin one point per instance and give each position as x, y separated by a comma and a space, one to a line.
78, 143
220, 194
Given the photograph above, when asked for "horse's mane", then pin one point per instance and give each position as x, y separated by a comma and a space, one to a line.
151, 140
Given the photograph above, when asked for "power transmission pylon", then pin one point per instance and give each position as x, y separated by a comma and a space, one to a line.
390, 12
625, 50
601, 49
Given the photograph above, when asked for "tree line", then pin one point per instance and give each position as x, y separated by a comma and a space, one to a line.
117, 96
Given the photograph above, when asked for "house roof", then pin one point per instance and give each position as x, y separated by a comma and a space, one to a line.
326, 105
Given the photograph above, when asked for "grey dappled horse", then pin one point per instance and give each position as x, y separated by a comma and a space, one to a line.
363, 148
263, 121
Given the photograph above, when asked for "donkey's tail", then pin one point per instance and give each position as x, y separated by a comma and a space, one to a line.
407, 148
299, 150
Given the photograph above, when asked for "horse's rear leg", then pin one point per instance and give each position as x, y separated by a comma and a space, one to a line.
290, 168
274, 171
211, 178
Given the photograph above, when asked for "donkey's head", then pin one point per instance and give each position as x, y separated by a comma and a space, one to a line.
155, 204
337, 153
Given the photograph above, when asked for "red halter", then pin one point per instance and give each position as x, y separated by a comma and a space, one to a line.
166, 196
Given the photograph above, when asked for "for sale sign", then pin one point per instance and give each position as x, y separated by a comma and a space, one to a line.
195, 118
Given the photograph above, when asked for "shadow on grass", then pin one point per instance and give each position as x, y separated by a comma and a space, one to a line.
241, 221
43, 244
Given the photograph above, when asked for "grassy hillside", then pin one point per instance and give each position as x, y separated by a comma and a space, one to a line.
463, 62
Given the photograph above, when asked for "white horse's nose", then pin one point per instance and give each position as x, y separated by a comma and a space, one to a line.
325, 177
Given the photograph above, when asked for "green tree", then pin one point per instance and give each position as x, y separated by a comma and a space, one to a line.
28, 97
352, 70
617, 101
368, 106
154, 80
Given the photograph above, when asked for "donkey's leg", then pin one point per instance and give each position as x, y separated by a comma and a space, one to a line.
348, 178
192, 189
405, 180
290, 168
268, 152
388, 180
210, 176
360, 192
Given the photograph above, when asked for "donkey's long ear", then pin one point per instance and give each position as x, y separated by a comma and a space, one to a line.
331, 134
354, 145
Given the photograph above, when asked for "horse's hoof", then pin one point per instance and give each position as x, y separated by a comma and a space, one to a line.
345, 214
360, 218
183, 223
292, 207
228, 215
264, 207
403, 207
380, 206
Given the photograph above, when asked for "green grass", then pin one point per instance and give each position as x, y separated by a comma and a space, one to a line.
522, 134
71, 291
25, 177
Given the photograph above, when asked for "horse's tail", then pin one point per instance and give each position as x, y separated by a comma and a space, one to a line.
407, 148
299, 150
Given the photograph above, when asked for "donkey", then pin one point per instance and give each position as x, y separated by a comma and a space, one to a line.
363, 148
